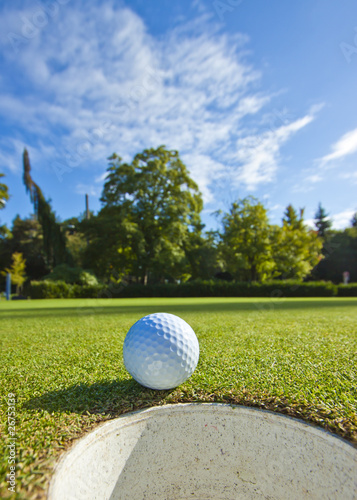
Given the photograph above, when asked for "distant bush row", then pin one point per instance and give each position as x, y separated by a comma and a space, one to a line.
49, 289
273, 289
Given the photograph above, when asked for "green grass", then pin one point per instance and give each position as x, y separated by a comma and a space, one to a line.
63, 360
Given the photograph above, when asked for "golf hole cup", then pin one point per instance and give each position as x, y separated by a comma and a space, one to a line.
161, 351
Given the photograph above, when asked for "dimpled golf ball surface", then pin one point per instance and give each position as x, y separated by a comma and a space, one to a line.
161, 351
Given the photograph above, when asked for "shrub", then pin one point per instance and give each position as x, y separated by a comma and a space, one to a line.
87, 278
87, 291
213, 288
347, 290
274, 289
48, 289
72, 275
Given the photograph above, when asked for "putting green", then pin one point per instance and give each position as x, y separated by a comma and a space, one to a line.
62, 359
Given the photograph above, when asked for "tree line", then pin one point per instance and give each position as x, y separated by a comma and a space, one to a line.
149, 230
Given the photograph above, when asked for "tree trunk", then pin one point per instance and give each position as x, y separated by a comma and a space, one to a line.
253, 273
144, 278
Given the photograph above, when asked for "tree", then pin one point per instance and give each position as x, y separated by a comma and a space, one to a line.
4, 193
17, 271
297, 249
54, 240
150, 206
291, 219
354, 220
201, 252
117, 256
4, 196
340, 255
25, 237
75, 240
322, 223
246, 245
72, 275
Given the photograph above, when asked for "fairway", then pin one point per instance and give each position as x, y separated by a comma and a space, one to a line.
62, 359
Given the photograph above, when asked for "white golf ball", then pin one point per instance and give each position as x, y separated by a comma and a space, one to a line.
161, 351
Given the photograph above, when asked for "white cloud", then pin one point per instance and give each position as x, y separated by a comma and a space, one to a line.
342, 220
346, 145
98, 82
302, 188
310, 223
314, 178
276, 207
101, 178
350, 176
11, 151
88, 189
257, 157
205, 171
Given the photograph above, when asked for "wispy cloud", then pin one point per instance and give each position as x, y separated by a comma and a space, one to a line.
11, 150
89, 189
98, 82
257, 156
352, 176
276, 207
313, 179
345, 146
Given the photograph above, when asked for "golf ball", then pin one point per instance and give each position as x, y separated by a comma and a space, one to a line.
161, 351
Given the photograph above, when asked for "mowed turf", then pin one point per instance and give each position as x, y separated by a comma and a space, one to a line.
63, 361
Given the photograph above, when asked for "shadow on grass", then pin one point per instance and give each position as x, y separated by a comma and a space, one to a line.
231, 304
106, 397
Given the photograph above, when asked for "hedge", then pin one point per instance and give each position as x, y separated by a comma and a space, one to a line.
48, 289
213, 288
273, 289
347, 290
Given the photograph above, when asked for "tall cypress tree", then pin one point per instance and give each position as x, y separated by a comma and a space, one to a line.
54, 240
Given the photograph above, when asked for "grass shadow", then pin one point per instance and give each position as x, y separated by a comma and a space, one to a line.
220, 306
105, 397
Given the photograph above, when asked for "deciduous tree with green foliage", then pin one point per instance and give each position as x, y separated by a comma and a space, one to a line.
150, 206
297, 249
246, 244
4, 193
75, 241
25, 237
4, 196
17, 271
255, 250
202, 255
340, 256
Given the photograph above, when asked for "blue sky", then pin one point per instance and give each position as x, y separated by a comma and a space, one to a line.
258, 97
